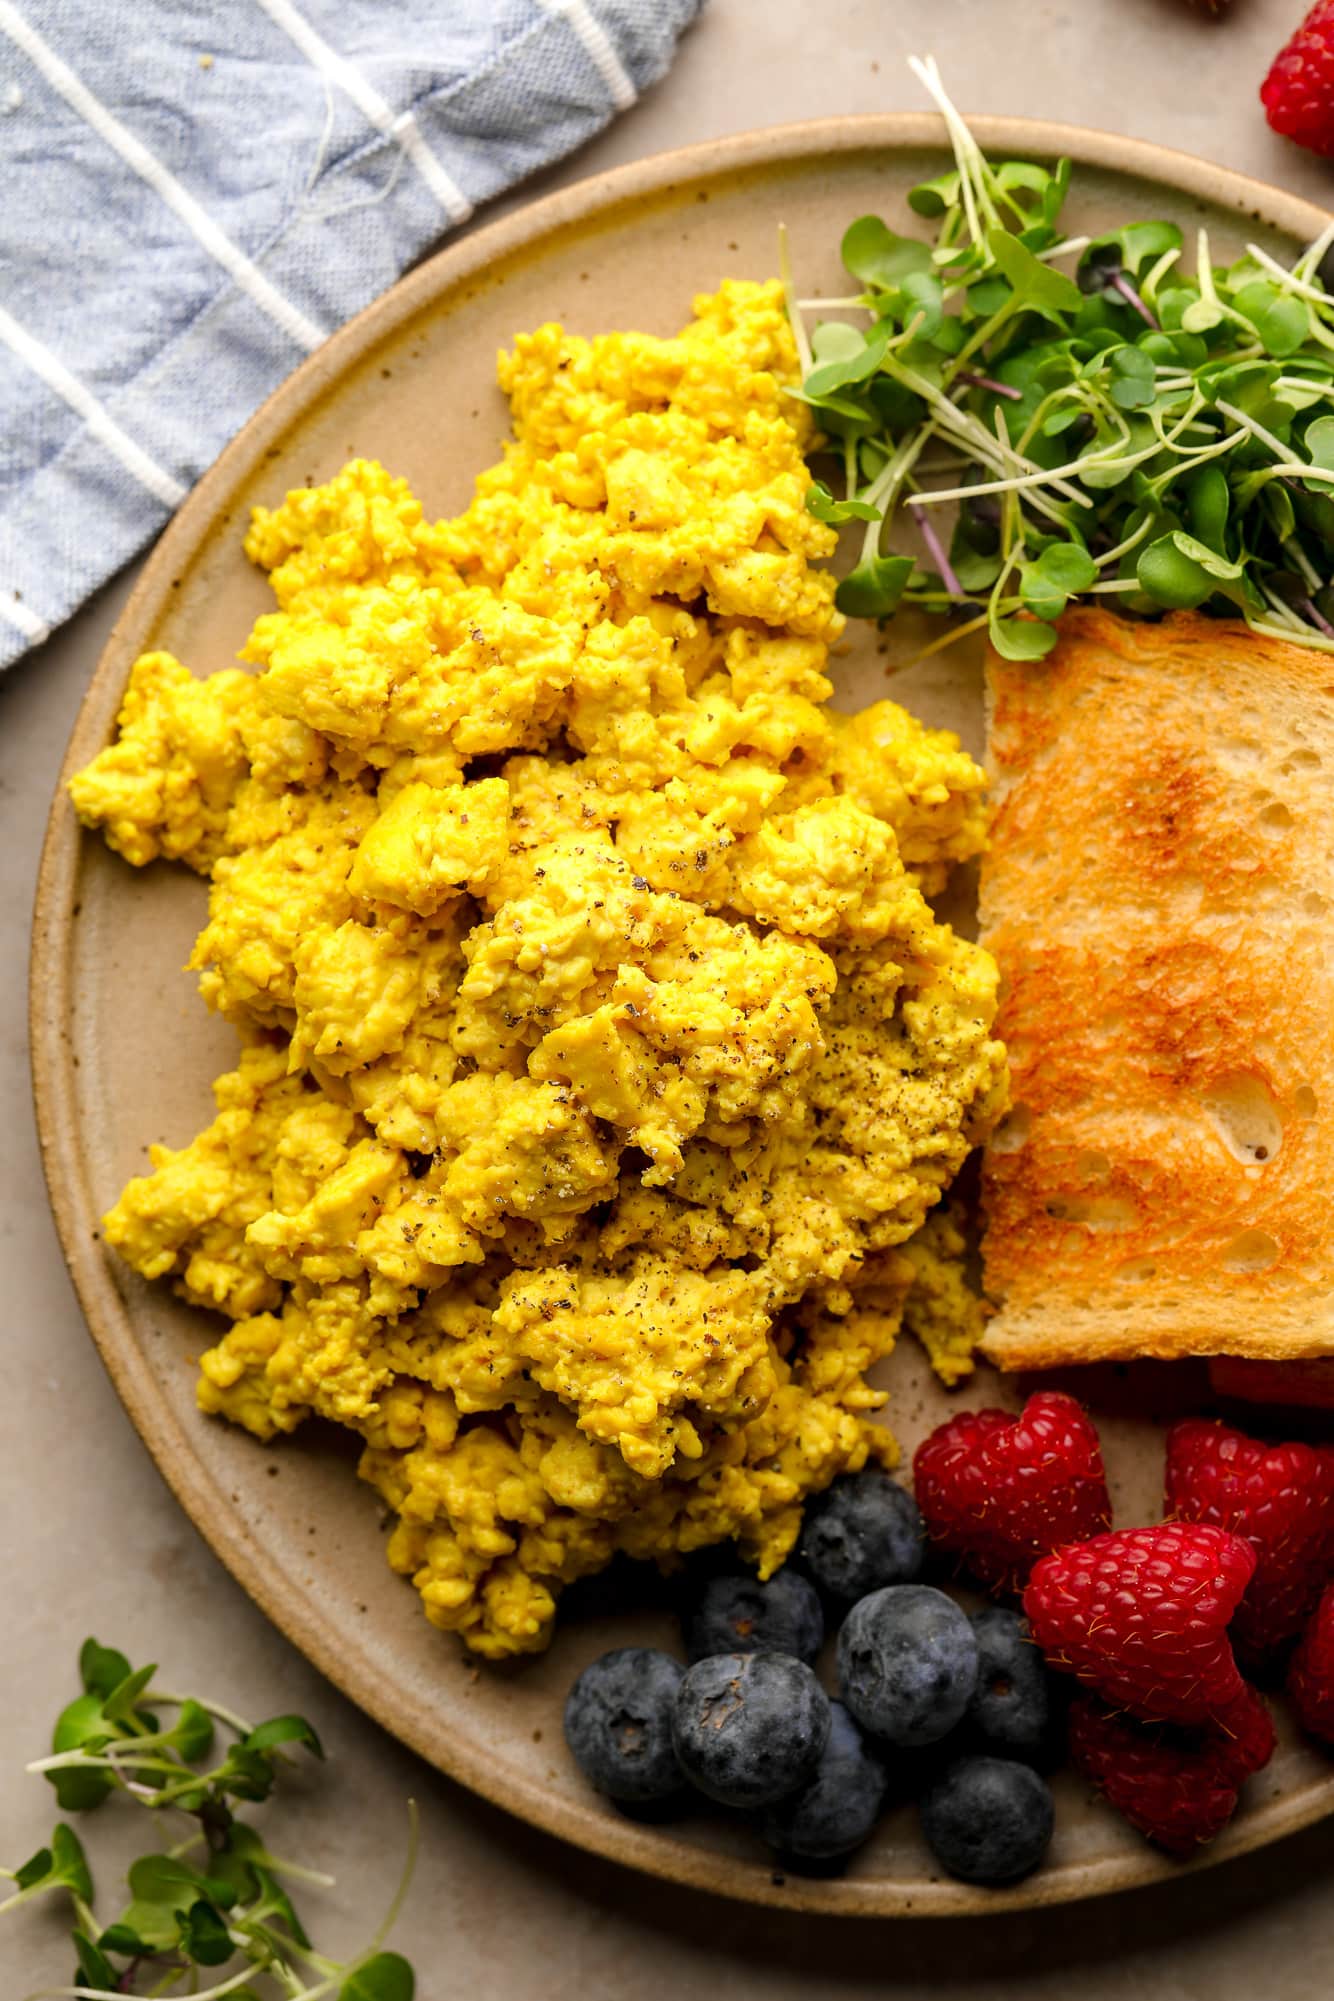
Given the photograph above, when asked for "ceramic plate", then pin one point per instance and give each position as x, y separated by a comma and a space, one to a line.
123, 1051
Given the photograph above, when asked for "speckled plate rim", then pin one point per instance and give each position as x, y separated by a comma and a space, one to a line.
589, 204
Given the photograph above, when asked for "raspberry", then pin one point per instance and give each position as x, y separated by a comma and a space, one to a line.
1280, 1498
1000, 1491
1178, 1787
1298, 93
1311, 1672
1141, 1615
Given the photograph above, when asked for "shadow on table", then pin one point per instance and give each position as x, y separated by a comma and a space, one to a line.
834, 1952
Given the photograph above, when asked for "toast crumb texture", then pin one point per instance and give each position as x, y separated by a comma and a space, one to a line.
1159, 895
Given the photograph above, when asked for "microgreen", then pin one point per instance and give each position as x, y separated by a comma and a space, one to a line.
226, 1911
1102, 422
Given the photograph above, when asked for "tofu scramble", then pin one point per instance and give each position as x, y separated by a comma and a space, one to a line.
602, 1063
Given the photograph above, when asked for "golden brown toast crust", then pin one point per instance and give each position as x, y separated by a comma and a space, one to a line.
1160, 897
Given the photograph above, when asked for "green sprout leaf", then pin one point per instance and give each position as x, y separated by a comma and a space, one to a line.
833, 375
1132, 385
822, 504
124, 1941
154, 1925
919, 303
1208, 498
204, 1935
81, 1725
387, 1977
976, 569
192, 1733
1048, 583
118, 1707
1036, 286
1202, 316
872, 252
284, 1730
38, 1869
101, 1669
95, 1969
163, 1879
245, 1774
1319, 443
1281, 321
71, 1862
1131, 250
1021, 638
835, 340
274, 1899
874, 588
1279, 511
935, 198
1179, 572
62, 1866
233, 1863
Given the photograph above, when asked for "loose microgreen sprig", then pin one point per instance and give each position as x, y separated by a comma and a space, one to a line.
228, 1912
1129, 432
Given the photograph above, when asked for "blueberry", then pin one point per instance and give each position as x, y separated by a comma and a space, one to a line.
988, 1820
1010, 1712
618, 1724
907, 1664
736, 1614
749, 1728
837, 1809
860, 1534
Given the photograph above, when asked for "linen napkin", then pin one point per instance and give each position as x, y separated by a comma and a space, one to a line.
194, 193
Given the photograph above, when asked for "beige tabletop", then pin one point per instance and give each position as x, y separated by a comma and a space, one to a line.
96, 1544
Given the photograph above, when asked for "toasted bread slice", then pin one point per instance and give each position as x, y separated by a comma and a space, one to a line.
1160, 897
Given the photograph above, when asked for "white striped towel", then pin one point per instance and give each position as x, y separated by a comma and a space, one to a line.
193, 195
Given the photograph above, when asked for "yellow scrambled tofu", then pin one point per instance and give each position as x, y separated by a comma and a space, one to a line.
599, 1047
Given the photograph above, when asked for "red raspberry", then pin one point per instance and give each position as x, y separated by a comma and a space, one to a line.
1178, 1787
1141, 1615
1280, 1498
1000, 1491
1298, 93
1311, 1673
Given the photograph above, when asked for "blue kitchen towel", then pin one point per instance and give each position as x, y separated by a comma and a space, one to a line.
194, 193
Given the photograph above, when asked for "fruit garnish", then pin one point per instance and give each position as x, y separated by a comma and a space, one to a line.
999, 1491
1009, 1713
862, 1533
1298, 93
907, 1664
1178, 1787
1141, 1615
1311, 1672
737, 1614
618, 1724
750, 1728
1280, 1498
988, 1820
836, 1810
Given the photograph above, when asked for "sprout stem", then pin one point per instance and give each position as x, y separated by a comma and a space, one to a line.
804, 355
936, 550
227, 1716
1120, 283
988, 382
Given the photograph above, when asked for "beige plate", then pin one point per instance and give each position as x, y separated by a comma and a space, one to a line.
123, 1051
